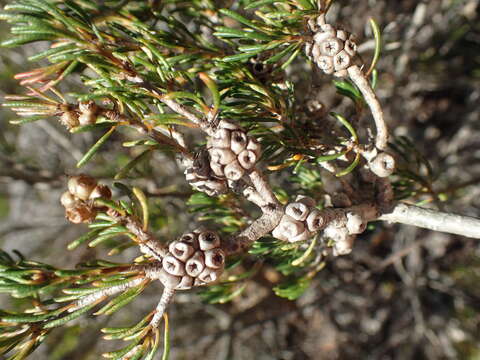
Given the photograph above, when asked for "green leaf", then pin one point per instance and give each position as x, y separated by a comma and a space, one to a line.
9, 343
82, 239
133, 163
221, 294
347, 124
142, 199
26, 38
281, 54
70, 317
166, 339
24, 318
350, 168
259, 3
120, 353
240, 57
243, 20
28, 119
93, 150
122, 332
378, 45
225, 32
307, 4
290, 59
293, 288
121, 300
329, 157
102, 239
212, 86
346, 88
51, 51
185, 95
20, 290
91, 127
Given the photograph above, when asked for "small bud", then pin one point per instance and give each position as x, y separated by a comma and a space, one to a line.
86, 107
221, 156
101, 191
288, 228
72, 185
68, 200
173, 266
321, 20
350, 48
325, 63
297, 211
328, 28
215, 258
234, 171
383, 164
342, 35
331, 47
190, 239
81, 186
80, 214
185, 284
341, 73
355, 224
88, 111
315, 221
341, 61
208, 240
307, 200
181, 250
69, 119
221, 139
247, 159
209, 275
320, 37
238, 141
195, 264
254, 146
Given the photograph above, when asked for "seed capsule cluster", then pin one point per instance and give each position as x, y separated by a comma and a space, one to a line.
300, 221
232, 152
201, 177
332, 49
78, 200
195, 259
86, 114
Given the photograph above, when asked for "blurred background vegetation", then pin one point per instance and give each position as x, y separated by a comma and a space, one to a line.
403, 293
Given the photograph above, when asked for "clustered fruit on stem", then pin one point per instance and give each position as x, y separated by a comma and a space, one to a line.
195, 259
230, 157
334, 51
79, 200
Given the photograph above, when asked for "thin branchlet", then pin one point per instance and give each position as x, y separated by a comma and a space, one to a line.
104, 293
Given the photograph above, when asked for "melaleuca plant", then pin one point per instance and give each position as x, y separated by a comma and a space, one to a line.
210, 87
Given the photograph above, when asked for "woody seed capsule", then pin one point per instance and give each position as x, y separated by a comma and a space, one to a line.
67, 200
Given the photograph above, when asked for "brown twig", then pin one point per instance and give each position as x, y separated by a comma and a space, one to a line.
371, 99
434, 220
